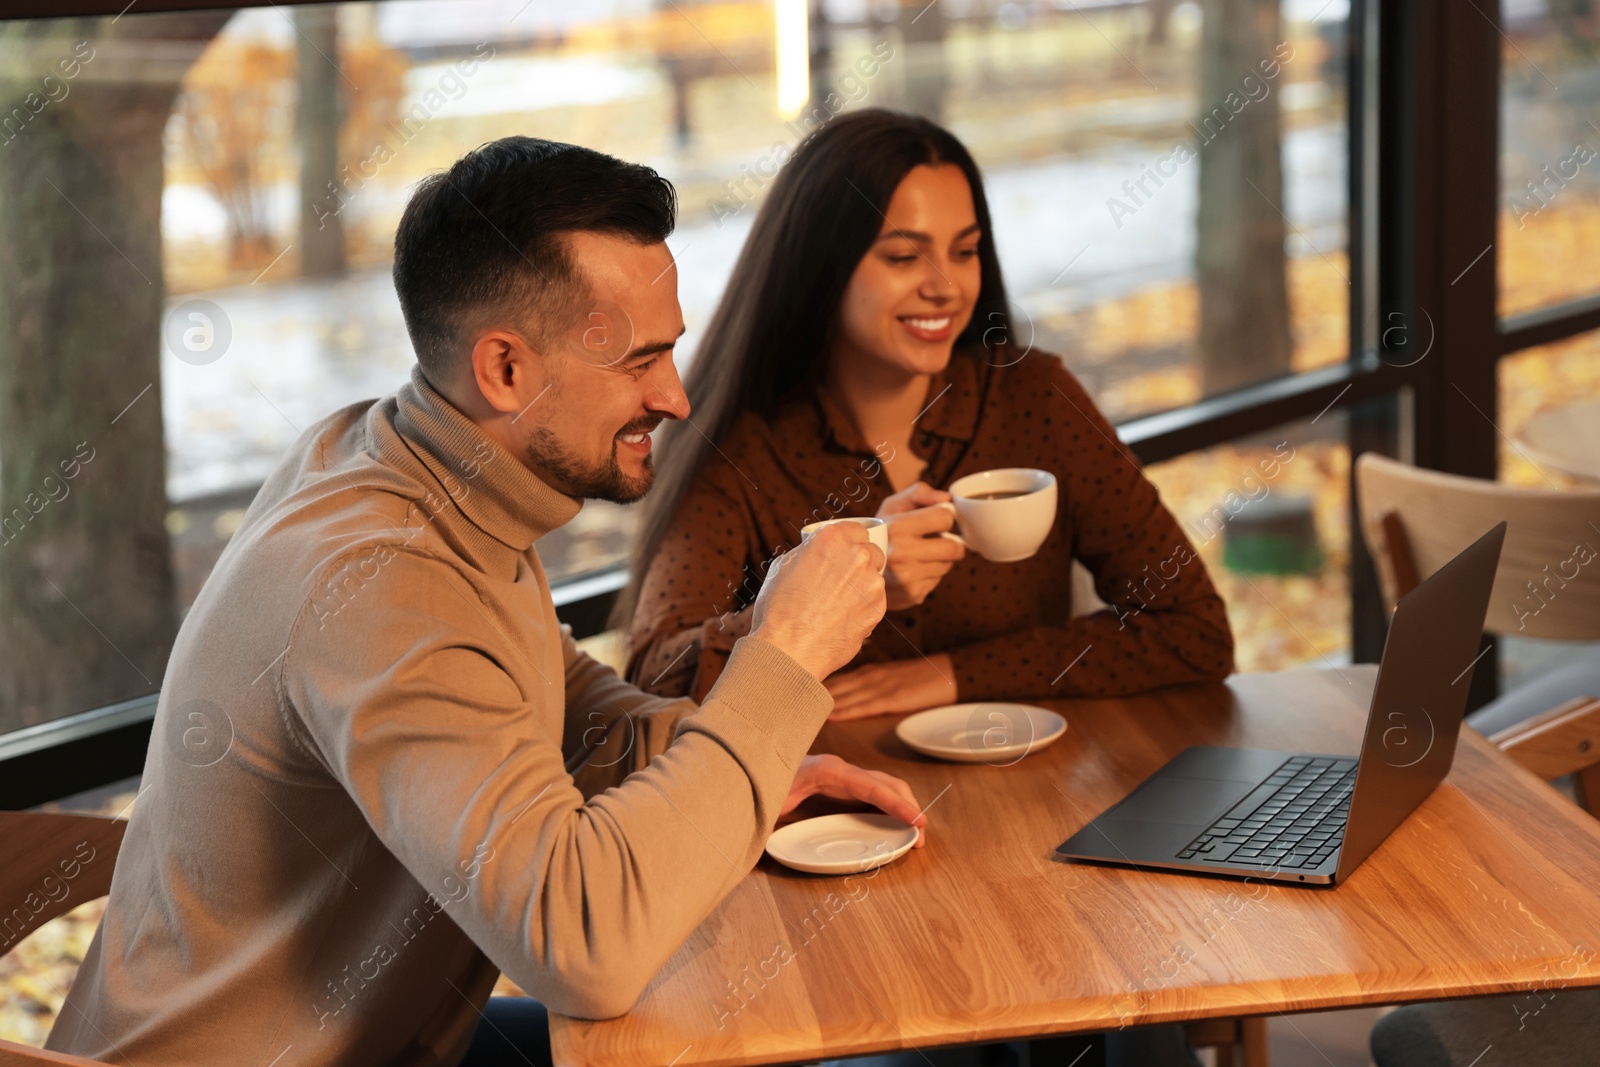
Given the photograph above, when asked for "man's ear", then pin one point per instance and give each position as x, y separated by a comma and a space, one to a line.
504, 368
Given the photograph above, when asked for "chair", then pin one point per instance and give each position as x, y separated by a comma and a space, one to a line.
1246, 1037
1547, 586
49, 864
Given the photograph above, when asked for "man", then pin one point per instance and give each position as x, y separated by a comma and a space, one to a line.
381, 773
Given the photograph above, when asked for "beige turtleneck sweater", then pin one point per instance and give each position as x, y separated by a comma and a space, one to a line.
381, 773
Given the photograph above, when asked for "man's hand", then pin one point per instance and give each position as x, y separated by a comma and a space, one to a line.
833, 777
903, 685
822, 599
918, 557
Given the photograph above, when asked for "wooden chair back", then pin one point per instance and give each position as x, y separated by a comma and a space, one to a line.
1548, 585
1235, 1042
49, 864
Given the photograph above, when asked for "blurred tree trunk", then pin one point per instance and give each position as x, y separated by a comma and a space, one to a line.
819, 44
677, 68
676, 56
319, 117
1160, 17
87, 612
922, 30
1239, 256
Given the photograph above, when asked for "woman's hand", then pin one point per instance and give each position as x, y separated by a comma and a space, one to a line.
884, 688
833, 777
918, 557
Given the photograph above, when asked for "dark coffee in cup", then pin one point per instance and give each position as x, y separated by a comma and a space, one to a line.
1003, 515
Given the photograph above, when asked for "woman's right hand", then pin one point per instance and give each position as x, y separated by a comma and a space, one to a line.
918, 557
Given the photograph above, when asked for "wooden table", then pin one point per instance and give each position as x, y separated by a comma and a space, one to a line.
1566, 437
1492, 886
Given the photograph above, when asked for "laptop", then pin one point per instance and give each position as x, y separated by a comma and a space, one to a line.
1306, 818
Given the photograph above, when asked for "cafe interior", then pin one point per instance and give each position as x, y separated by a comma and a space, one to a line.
1325, 279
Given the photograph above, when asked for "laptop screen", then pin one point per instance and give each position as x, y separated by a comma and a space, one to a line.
1420, 696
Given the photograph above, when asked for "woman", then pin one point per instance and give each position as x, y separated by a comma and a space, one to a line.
860, 359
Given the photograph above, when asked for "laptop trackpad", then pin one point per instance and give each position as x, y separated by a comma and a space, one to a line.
1181, 800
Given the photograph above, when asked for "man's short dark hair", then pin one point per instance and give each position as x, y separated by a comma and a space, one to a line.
484, 240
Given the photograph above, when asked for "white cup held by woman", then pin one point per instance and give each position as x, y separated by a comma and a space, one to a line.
1004, 515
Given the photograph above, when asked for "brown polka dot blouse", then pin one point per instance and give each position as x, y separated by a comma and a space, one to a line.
1007, 627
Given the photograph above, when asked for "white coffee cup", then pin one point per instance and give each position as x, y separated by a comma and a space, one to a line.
877, 533
1009, 527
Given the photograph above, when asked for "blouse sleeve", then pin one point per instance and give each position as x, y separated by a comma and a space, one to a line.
1164, 623
694, 600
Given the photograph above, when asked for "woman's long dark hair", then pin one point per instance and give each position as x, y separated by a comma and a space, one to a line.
765, 343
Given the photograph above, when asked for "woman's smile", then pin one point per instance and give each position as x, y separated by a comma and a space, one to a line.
931, 328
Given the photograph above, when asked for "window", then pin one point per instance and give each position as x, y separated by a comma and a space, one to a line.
1170, 197
1269, 515
1549, 153
160, 363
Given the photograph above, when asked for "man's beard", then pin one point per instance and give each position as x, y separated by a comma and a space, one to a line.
603, 481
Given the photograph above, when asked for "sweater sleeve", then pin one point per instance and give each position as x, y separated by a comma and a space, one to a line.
1164, 623
696, 595
579, 900
612, 728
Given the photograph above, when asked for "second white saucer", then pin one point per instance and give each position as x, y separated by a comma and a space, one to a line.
986, 732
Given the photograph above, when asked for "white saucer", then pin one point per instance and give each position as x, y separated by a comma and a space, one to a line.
841, 844
981, 733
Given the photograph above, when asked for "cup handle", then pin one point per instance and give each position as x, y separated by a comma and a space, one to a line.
957, 538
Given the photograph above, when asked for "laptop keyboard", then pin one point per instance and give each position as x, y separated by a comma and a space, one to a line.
1294, 819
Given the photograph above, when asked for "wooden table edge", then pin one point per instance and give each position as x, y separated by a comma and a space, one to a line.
566, 1056
1287, 996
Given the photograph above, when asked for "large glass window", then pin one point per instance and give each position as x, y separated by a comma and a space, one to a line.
1549, 152
197, 211
1170, 195
1269, 515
